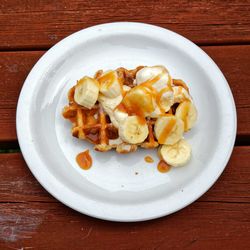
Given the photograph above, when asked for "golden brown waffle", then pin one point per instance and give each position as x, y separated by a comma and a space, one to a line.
95, 126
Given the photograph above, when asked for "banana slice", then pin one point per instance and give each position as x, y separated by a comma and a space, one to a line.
157, 76
188, 113
179, 82
109, 84
86, 92
176, 155
132, 131
181, 94
126, 88
139, 100
109, 105
119, 115
162, 102
157, 111
165, 99
168, 129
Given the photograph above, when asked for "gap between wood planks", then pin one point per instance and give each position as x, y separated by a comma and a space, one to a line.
56, 201
45, 48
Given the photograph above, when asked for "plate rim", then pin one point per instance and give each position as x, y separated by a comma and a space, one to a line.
26, 146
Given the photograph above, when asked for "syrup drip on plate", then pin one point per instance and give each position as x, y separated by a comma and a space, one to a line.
163, 167
84, 160
148, 159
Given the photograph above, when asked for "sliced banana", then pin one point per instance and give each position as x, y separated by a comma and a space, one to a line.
109, 84
188, 113
157, 111
126, 88
179, 82
162, 102
139, 100
177, 154
157, 76
165, 99
109, 105
119, 115
86, 92
168, 129
181, 94
132, 131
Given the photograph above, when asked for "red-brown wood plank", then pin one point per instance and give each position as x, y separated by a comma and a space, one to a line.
235, 65
30, 218
18, 184
36, 24
14, 67
202, 225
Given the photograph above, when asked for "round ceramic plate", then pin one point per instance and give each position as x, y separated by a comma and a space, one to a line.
123, 187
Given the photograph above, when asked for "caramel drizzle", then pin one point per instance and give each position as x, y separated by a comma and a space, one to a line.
148, 159
84, 160
166, 131
158, 98
163, 167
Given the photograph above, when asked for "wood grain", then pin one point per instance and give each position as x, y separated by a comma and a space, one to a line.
15, 66
17, 183
202, 225
40, 24
30, 217
234, 63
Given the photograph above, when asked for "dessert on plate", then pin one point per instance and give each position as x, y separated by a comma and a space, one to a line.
125, 109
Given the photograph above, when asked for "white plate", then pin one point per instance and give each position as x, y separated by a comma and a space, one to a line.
110, 189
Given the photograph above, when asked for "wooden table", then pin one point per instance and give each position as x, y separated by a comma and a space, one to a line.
31, 219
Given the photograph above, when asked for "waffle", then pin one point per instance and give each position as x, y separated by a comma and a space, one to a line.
94, 125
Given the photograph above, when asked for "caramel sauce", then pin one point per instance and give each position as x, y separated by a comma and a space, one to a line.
84, 160
107, 79
153, 80
158, 98
163, 167
179, 82
166, 114
123, 92
93, 136
139, 97
166, 131
71, 94
179, 91
185, 114
134, 106
170, 82
122, 107
148, 86
140, 117
148, 159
